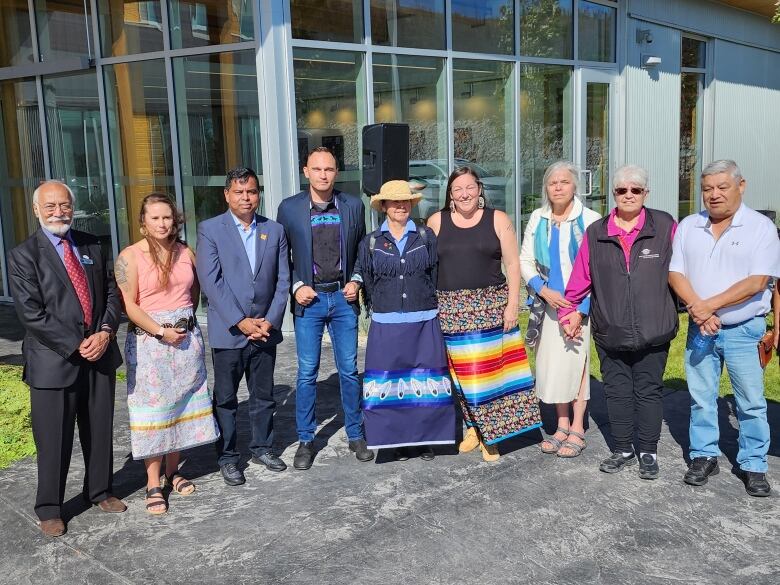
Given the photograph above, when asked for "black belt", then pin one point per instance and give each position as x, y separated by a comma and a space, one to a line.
187, 323
327, 287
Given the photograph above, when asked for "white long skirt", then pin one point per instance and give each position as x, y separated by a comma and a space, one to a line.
560, 363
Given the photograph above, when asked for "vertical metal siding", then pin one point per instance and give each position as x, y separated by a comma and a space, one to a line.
747, 118
710, 18
653, 112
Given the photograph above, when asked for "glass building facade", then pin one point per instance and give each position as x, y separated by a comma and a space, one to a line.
121, 98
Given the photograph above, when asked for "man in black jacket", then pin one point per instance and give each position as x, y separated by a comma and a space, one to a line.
70, 310
324, 227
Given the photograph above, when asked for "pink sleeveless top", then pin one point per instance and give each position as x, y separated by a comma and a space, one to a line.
177, 295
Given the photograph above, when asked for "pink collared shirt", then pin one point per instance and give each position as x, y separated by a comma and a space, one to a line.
580, 282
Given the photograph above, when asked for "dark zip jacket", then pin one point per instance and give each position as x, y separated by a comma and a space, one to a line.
632, 309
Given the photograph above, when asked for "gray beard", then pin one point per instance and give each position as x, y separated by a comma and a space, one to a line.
58, 229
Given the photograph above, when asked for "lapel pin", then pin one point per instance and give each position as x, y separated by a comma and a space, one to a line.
263, 236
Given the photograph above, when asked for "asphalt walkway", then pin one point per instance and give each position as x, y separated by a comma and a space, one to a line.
529, 518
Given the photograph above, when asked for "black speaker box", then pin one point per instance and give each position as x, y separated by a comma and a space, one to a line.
385, 155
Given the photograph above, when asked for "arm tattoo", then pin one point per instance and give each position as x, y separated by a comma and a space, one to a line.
120, 271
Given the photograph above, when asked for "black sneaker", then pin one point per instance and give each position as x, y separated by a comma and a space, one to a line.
756, 484
700, 469
401, 454
361, 450
304, 456
232, 474
616, 462
426, 453
648, 466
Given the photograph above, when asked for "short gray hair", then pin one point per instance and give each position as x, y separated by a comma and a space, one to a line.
723, 165
632, 174
561, 165
36, 193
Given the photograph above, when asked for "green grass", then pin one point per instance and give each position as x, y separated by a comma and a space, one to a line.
16, 441
674, 376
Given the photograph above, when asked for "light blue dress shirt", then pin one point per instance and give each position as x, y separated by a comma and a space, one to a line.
399, 317
249, 238
56, 241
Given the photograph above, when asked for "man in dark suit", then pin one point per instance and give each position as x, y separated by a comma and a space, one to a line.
324, 227
70, 310
243, 270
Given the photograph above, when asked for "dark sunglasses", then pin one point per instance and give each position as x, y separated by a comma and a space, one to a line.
624, 190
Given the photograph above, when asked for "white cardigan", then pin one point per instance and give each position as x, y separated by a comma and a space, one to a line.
527, 257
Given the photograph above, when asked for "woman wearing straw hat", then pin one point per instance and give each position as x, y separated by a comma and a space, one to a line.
407, 398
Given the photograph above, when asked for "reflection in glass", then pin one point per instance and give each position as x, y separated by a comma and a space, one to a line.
140, 134
404, 23
545, 127
597, 32
483, 26
130, 27
412, 90
210, 22
21, 160
690, 141
219, 127
485, 127
546, 28
76, 149
15, 36
693, 53
330, 109
597, 145
334, 20
62, 29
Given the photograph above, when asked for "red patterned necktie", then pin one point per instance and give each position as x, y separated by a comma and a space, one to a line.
79, 279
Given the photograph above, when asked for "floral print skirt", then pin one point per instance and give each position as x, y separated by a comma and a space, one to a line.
489, 368
167, 393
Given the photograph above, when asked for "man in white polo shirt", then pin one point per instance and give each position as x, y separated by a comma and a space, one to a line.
721, 263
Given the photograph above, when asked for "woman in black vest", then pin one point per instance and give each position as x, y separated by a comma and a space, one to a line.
623, 263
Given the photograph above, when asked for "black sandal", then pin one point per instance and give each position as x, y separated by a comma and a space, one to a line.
181, 488
156, 502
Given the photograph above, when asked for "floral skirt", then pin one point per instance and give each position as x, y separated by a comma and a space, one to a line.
489, 368
167, 393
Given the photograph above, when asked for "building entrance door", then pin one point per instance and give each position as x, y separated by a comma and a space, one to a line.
594, 145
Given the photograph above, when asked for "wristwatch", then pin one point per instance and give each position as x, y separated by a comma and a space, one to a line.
159, 335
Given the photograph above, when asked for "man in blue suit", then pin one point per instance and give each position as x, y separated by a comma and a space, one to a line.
243, 270
324, 227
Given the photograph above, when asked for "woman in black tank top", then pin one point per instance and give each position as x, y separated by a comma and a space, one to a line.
478, 309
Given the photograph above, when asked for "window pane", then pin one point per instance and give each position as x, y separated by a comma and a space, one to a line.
690, 141
62, 29
139, 127
76, 149
15, 36
412, 90
693, 53
484, 26
597, 32
219, 127
21, 160
130, 27
332, 20
330, 109
408, 23
597, 144
485, 127
546, 28
210, 22
545, 127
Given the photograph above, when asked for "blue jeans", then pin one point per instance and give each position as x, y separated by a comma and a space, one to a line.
331, 310
736, 345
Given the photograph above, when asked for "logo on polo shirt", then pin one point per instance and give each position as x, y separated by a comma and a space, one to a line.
647, 254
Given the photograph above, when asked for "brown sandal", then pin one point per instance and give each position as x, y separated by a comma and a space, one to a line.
153, 503
184, 487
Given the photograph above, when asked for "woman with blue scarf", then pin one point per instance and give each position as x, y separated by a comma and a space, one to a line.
552, 239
